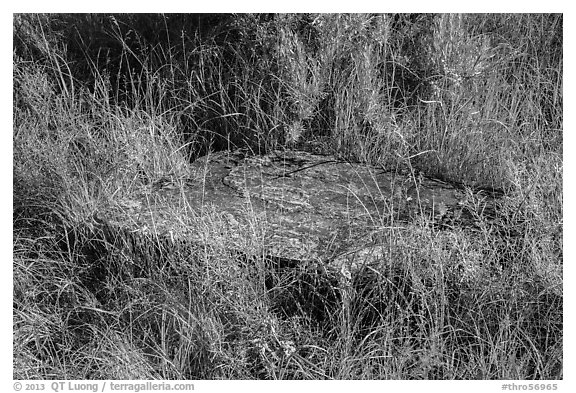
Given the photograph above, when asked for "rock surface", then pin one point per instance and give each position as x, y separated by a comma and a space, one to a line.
294, 205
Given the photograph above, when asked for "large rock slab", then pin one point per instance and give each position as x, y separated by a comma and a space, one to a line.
293, 205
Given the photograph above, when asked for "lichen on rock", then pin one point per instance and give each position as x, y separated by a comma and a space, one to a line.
298, 205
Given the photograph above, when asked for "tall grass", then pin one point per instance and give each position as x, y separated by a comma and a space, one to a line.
107, 105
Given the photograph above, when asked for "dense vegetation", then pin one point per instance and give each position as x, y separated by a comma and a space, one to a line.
107, 104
